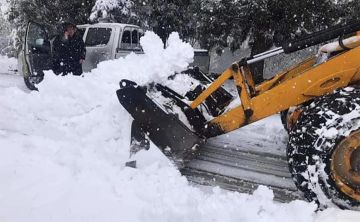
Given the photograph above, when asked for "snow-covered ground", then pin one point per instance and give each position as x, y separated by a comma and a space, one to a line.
9, 74
7, 65
63, 149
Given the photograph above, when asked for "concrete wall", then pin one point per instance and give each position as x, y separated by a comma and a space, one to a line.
272, 65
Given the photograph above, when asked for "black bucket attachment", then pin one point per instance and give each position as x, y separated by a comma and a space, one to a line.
138, 141
164, 129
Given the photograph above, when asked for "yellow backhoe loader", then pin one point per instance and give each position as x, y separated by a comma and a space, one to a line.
319, 102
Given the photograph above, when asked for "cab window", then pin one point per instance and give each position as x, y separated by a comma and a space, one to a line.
134, 37
130, 39
126, 40
98, 36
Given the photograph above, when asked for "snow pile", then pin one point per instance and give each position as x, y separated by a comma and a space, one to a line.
155, 65
63, 149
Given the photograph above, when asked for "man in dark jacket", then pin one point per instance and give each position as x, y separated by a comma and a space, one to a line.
69, 51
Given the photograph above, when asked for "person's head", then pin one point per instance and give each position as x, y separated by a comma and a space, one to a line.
69, 28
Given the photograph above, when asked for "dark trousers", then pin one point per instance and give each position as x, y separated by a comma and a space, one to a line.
66, 67
76, 69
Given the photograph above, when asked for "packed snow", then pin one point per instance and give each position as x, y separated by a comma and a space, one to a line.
63, 149
7, 65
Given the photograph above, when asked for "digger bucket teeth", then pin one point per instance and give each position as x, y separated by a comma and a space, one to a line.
165, 130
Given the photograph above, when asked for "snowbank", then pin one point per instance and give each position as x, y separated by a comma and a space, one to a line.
63, 149
7, 65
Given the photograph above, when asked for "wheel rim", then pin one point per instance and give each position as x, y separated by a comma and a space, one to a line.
345, 166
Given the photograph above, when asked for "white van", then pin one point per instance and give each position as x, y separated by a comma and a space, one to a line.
103, 41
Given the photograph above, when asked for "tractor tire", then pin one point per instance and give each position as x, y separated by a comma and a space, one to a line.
324, 150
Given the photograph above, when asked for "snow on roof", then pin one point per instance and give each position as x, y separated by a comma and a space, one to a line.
105, 24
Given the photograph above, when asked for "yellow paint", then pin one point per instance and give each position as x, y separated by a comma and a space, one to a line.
212, 88
292, 87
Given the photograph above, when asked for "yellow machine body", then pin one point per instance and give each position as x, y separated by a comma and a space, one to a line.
292, 87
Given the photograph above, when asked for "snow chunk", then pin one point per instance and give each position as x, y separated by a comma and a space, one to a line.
156, 64
152, 44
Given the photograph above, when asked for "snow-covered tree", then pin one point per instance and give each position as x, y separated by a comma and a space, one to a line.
264, 23
230, 22
349, 9
4, 31
166, 16
49, 13
4, 25
113, 10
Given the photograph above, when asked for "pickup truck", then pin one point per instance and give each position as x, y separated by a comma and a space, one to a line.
103, 41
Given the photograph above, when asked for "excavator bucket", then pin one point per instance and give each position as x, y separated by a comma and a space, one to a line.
165, 130
166, 119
